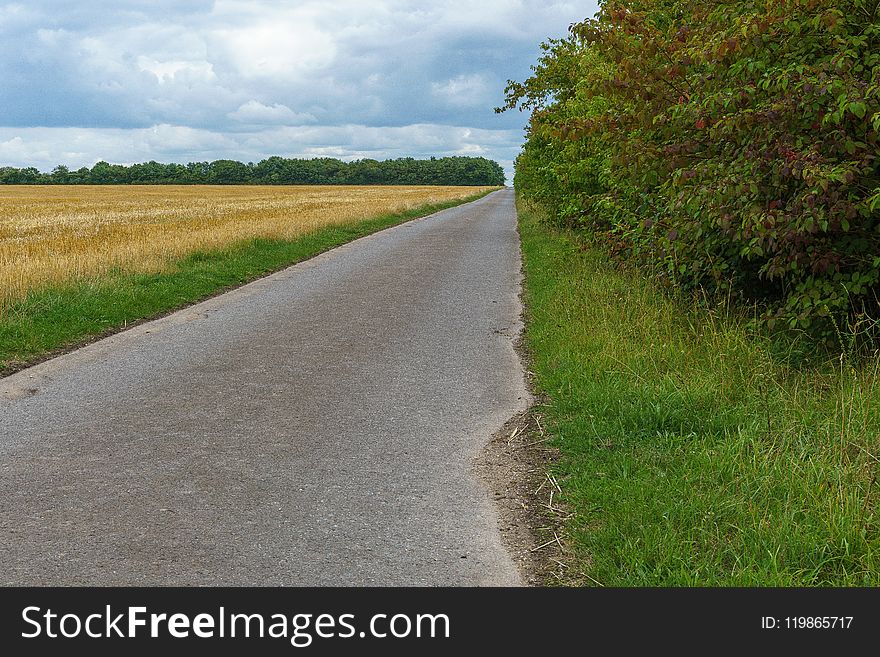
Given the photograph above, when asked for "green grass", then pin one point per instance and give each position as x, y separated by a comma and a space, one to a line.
692, 452
57, 317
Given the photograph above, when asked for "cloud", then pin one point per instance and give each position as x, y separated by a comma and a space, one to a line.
283, 49
169, 71
463, 91
254, 112
245, 69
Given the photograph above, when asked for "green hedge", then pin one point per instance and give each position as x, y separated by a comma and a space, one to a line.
727, 146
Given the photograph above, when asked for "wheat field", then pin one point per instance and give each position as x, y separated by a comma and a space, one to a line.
54, 234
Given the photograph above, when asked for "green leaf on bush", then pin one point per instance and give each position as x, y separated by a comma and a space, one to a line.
859, 109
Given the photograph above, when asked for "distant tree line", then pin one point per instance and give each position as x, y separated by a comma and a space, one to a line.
272, 171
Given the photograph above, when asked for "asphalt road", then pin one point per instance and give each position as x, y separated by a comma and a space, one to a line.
315, 427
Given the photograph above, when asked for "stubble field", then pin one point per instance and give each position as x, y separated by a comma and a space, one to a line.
51, 235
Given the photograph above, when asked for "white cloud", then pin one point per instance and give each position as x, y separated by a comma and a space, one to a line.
175, 140
277, 49
168, 71
254, 112
13, 15
13, 149
462, 90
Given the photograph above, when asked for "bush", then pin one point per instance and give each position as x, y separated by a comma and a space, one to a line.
727, 146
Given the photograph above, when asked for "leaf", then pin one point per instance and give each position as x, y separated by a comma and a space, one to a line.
859, 109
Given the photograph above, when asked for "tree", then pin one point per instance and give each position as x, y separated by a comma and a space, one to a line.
60, 175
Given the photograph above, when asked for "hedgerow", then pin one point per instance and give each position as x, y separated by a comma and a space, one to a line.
727, 146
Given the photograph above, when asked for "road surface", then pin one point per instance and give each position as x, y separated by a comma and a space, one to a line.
315, 427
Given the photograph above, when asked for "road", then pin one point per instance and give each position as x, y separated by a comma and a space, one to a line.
315, 427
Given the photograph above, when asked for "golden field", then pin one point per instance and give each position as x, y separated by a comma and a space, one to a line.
52, 234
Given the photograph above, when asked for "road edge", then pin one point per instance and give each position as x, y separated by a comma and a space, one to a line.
514, 466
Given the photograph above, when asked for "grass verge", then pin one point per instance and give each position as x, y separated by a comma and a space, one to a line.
60, 317
691, 452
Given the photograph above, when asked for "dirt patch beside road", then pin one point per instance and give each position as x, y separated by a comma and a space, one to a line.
515, 466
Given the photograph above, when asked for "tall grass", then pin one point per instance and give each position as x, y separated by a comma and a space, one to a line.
693, 451
51, 235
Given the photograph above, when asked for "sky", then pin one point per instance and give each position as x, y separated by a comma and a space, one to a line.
181, 81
